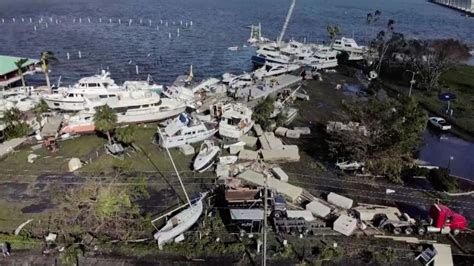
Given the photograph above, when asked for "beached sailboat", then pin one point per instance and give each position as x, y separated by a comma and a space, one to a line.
182, 221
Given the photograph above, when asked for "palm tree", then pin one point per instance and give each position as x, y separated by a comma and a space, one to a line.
12, 117
47, 57
19, 64
127, 134
105, 120
39, 109
384, 38
333, 32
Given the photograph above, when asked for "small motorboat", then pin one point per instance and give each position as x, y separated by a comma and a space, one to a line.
228, 159
206, 157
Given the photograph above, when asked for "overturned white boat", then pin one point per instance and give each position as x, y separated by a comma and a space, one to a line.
206, 157
186, 130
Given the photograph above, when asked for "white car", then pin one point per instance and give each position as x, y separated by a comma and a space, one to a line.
440, 123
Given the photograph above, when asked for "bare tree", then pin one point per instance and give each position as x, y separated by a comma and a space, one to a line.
433, 58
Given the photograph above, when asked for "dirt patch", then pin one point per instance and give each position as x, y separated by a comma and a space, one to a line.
158, 201
13, 191
37, 208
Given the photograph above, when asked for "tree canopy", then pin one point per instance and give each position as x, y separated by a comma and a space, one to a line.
394, 133
105, 120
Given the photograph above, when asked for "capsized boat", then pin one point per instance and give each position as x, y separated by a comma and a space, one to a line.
206, 157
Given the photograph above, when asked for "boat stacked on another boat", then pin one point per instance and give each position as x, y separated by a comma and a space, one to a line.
99, 88
134, 107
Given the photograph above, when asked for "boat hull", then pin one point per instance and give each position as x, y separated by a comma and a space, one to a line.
180, 223
176, 141
202, 163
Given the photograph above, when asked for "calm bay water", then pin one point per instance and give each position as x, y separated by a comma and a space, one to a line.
216, 25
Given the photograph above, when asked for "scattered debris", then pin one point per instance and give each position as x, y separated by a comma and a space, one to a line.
292, 134
258, 130
20, 227
281, 131
303, 130
351, 126
32, 157
288, 153
319, 209
340, 201
51, 237
248, 155
250, 141
345, 225
280, 174
187, 149
74, 164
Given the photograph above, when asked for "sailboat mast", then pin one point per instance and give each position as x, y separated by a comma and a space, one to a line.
176, 171
285, 25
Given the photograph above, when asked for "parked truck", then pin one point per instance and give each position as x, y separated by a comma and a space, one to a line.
441, 220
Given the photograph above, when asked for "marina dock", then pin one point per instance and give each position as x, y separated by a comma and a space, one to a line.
466, 6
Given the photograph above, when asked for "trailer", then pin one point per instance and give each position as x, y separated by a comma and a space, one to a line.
289, 224
441, 220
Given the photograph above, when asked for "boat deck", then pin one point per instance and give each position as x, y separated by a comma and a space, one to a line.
267, 87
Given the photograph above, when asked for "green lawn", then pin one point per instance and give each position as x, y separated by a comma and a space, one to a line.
459, 81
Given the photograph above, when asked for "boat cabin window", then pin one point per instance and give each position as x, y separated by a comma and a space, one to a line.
70, 95
348, 45
233, 121
145, 106
164, 108
112, 95
103, 96
338, 42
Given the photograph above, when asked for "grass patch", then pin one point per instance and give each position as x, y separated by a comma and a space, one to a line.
459, 81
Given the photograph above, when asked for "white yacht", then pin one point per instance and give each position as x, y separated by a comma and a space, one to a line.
143, 107
235, 119
186, 130
136, 107
95, 87
321, 60
269, 70
355, 51
73, 98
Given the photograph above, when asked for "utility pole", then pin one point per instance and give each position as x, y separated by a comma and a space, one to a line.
412, 81
265, 206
